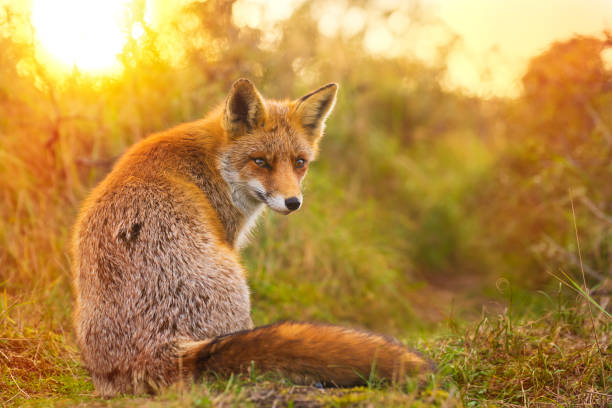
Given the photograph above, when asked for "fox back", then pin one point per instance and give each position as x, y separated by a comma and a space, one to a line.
157, 273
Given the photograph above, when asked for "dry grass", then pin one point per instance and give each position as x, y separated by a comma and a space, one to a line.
549, 359
415, 187
534, 360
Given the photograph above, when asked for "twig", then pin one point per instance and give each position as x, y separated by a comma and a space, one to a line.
598, 122
96, 163
595, 210
586, 290
4, 355
10, 399
573, 259
17, 384
601, 394
22, 339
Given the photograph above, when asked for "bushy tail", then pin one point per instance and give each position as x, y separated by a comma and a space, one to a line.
307, 353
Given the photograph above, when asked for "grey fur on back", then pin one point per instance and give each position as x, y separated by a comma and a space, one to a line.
152, 269
155, 247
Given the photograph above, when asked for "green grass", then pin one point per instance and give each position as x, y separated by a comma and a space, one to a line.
348, 257
560, 357
548, 359
430, 216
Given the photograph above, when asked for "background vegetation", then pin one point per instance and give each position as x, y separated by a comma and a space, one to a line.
447, 220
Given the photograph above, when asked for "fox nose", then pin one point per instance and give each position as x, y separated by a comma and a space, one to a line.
292, 203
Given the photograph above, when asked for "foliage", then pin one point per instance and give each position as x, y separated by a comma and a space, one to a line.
422, 198
559, 151
551, 358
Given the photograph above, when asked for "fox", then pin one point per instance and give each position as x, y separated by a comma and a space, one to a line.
161, 294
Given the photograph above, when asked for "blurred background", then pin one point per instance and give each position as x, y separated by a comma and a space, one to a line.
464, 133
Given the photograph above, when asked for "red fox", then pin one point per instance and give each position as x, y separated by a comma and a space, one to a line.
161, 295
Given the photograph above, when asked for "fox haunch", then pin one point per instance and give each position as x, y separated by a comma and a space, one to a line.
160, 290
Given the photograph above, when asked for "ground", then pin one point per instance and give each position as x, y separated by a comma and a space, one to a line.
558, 358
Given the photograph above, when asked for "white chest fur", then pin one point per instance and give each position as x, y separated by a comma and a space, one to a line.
250, 222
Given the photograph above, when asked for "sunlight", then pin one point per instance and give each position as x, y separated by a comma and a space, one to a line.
87, 34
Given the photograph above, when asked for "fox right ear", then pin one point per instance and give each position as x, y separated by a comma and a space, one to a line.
314, 108
244, 108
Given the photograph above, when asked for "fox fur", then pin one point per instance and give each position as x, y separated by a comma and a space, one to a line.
161, 295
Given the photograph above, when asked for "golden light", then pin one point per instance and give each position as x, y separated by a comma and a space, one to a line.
88, 34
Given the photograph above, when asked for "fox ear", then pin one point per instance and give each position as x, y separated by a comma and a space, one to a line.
244, 108
313, 109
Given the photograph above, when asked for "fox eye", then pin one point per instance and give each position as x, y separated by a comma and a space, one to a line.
260, 162
299, 163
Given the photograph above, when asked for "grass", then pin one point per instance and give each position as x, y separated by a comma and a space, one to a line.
550, 359
347, 257
421, 202
535, 359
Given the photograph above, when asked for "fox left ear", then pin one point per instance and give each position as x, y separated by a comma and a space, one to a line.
244, 108
313, 109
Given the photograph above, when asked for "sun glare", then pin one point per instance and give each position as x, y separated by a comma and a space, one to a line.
87, 34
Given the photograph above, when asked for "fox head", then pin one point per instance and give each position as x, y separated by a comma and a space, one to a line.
270, 145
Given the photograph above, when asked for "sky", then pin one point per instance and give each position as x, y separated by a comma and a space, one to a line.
498, 37
501, 36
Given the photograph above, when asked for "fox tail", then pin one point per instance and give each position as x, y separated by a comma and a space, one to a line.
307, 353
